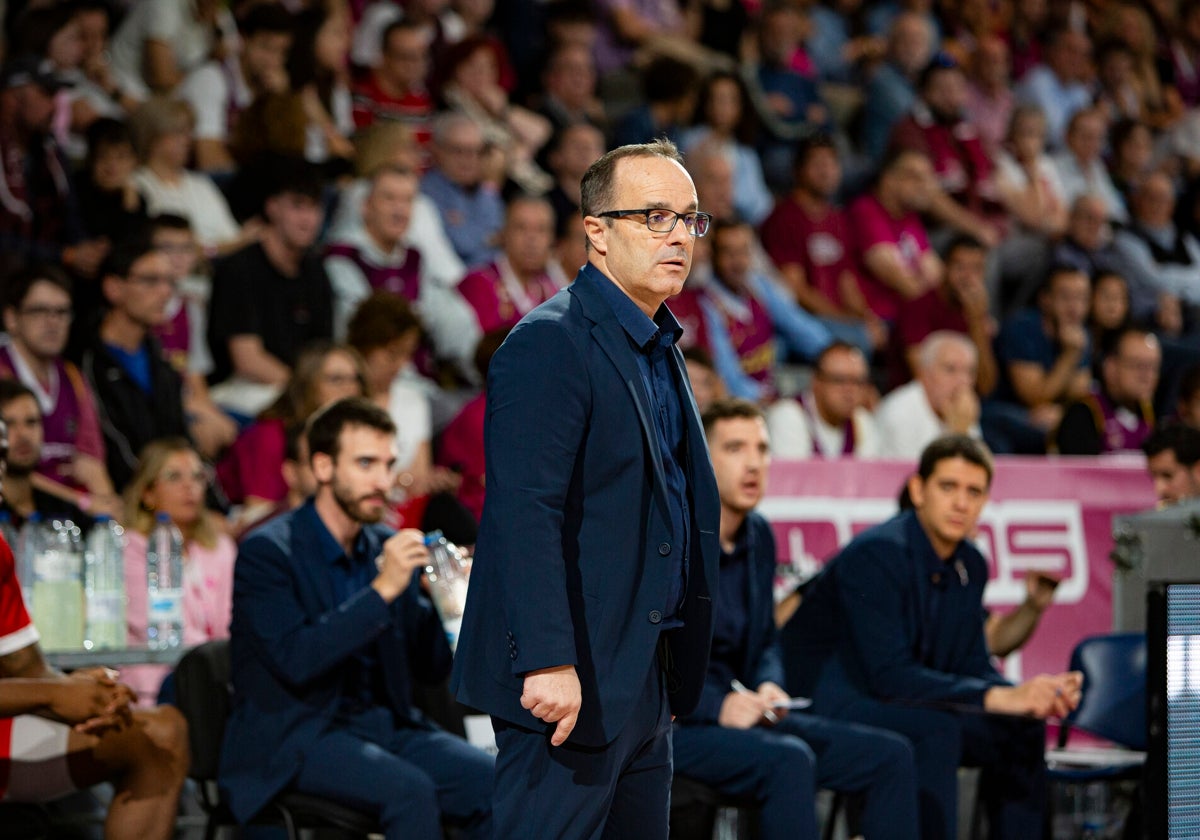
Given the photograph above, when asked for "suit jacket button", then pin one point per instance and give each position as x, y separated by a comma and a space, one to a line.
664, 549
512, 654
655, 617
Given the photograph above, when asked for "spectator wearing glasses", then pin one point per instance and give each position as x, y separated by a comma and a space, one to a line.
471, 207
139, 394
830, 419
1116, 415
396, 88
37, 319
171, 479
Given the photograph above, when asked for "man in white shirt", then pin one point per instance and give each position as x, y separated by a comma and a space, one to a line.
940, 400
829, 420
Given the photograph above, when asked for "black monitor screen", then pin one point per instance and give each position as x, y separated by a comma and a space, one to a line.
1183, 710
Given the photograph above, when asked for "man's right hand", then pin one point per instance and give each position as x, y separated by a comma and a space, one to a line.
742, 710
553, 695
403, 552
1043, 696
1072, 337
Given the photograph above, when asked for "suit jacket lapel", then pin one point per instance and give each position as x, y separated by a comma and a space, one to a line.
615, 343
304, 540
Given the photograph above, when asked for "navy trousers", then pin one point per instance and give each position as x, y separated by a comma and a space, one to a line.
1010, 751
617, 791
410, 778
783, 765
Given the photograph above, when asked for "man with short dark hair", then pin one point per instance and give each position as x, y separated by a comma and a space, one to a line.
22, 415
1117, 414
889, 635
1044, 358
809, 240
37, 320
1173, 460
589, 616
272, 297
741, 739
329, 631
965, 200
745, 313
395, 90
959, 304
139, 394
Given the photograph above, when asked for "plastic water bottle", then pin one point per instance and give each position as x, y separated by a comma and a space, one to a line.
28, 547
447, 577
58, 602
164, 586
9, 533
104, 585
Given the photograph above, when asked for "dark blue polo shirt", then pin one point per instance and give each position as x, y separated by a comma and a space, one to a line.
654, 341
363, 687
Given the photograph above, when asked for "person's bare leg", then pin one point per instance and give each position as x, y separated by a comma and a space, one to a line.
146, 762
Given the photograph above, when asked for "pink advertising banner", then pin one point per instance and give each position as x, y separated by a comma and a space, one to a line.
1045, 514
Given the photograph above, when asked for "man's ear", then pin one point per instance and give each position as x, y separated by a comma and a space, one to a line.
916, 490
322, 467
109, 288
597, 233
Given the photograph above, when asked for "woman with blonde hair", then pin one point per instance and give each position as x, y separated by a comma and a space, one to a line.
171, 479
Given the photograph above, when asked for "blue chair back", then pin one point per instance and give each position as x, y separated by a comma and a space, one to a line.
1114, 688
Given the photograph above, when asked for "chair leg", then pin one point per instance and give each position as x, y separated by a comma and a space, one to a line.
837, 807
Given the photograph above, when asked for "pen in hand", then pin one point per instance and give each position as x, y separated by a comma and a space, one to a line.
737, 686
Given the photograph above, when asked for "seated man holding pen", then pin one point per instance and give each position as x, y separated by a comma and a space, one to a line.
754, 741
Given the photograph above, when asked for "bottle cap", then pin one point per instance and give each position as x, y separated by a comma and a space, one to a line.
162, 516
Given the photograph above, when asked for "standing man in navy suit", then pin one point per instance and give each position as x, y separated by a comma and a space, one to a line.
329, 629
741, 739
589, 616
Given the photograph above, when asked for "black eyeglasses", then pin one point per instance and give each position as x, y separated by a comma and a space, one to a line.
663, 221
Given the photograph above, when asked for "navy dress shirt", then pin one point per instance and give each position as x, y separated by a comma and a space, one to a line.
362, 689
654, 340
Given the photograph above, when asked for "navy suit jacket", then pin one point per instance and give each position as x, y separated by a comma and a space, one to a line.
866, 627
569, 566
761, 661
291, 641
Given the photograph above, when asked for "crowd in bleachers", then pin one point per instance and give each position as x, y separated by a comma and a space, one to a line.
929, 217
1022, 174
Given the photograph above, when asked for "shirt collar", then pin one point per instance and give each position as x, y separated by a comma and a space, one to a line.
330, 550
923, 548
633, 320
